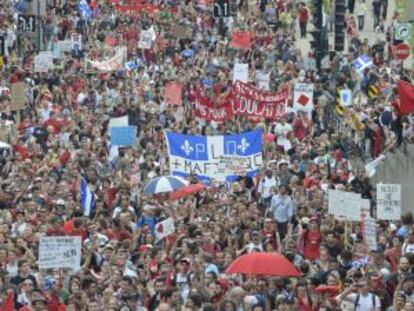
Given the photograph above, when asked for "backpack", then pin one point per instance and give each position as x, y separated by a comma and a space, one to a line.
357, 301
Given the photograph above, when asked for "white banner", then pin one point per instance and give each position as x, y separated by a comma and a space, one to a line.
303, 97
389, 201
370, 233
344, 205
234, 165
241, 73
121, 121
112, 64
60, 252
164, 228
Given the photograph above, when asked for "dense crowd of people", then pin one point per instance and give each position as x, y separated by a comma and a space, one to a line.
62, 134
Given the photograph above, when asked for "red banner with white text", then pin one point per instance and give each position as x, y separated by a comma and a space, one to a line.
243, 100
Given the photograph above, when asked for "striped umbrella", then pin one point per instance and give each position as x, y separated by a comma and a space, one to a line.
164, 184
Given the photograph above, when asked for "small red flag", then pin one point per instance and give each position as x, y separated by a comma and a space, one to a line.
173, 93
406, 92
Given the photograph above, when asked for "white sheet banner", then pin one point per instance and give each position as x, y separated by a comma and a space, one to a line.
389, 201
112, 64
121, 121
60, 252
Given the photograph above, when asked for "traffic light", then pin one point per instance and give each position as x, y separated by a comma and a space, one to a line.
317, 43
340, 9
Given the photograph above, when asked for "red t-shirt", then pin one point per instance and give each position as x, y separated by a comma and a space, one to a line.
312, 242
303, 15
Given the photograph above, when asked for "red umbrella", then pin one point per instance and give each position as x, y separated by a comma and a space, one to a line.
186, 191
268, 264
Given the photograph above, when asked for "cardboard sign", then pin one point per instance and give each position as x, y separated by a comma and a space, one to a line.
182, 32
241, 73
173, 93
18, 96
123, 135
389, 201
60, 252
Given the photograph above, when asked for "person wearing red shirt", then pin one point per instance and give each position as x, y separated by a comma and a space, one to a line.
300, 126
303, 13
311, 240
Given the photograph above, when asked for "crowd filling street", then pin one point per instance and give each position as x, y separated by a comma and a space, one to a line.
86, 222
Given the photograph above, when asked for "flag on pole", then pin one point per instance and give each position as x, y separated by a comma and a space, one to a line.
87, 198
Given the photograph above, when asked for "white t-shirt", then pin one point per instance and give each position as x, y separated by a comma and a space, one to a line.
365, 303
281, 131
407, 248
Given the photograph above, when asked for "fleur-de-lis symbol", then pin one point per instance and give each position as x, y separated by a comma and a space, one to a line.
244, 145
187, 148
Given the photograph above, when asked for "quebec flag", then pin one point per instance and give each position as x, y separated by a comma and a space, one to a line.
222, 158
361, 63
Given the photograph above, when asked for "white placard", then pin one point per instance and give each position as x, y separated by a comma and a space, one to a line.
389, 201
43, 61
344, 205
370, 233
241, 73
57, 252
121, 121
303, 97
164, 228
64, 45
146, 37
76, 41
263, 80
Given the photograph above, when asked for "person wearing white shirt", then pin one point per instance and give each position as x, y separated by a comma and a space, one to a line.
408, 246
363, 300
282, 129
266, 186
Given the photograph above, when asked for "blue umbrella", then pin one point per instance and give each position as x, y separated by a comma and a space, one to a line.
164, 184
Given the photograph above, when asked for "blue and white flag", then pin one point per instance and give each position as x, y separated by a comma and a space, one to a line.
222, 158
361, 63
87, 198
84, 9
